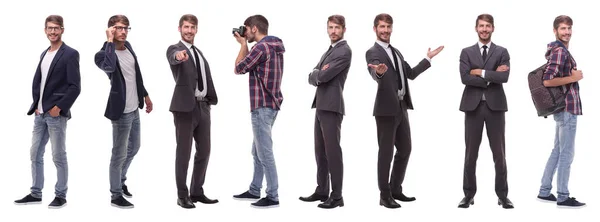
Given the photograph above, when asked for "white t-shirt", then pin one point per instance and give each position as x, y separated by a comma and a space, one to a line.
45, 66
127, 63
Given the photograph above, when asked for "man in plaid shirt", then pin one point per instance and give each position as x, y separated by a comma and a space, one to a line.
264, 63
562, 72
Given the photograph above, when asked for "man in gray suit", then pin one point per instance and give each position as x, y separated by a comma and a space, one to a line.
483, 101
329, 77
390, 111
193, 95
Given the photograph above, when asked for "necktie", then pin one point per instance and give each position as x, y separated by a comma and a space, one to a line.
484, 52
200, 85
397, 67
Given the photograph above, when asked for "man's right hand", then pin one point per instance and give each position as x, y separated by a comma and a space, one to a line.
576, 75
380, 69
182, 56
37, 113
110, 33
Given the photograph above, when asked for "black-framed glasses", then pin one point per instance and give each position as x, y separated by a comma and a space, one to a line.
53, 28
123, 28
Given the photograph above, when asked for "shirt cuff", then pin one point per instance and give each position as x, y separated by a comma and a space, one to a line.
483, 73
428, 59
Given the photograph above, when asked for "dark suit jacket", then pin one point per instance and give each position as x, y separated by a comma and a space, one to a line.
186, 77
106, 59
330, 82
476, 86
63, 83
386, 101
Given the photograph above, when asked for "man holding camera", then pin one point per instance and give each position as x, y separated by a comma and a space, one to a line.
193, 95
329, 76
264, 62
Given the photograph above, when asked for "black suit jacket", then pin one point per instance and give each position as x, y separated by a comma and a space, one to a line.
186, 77
106, 59
386, 101
330, 82
491, 85
63, 83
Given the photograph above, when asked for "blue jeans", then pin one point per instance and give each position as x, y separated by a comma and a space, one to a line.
561, 156
126, 143
263, 119
46, 127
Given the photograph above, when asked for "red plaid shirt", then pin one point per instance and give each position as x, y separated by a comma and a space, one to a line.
560, 64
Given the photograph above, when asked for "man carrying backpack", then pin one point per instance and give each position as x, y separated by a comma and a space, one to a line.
562, 72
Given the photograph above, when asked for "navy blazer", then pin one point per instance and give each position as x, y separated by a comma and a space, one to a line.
63, 83
106, 59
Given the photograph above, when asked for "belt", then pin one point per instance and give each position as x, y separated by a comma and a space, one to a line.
201, 99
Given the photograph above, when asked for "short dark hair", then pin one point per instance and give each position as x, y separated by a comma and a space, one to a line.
562, 19
337, 19
56, 19
188, 18
485, 17
383, 17
118, 18
260, 22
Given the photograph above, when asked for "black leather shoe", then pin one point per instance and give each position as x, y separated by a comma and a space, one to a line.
203, 199
466, 202
314, 197
332, 203
403, 198
389, 202
506, 204
185, 203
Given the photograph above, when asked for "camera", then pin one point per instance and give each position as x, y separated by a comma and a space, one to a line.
241, 31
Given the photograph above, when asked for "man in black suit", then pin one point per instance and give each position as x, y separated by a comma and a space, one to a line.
483, 69
56, 86
391, 72
127, 94
193, 95
329, 77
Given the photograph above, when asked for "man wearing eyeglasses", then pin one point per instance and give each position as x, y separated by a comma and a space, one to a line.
127, 94
193, 96
56, 86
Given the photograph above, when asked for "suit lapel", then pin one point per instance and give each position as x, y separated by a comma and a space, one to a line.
57, 57
384, 53
326, 54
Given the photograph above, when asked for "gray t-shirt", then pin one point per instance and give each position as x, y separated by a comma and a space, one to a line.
127, 63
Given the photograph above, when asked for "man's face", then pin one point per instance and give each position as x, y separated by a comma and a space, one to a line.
383, 30
121, 31
484, 30
53, 32
251, 33
335, 31
563, 32
188, 31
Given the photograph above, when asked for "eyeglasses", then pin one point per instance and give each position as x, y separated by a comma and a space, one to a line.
53, 28
122, 28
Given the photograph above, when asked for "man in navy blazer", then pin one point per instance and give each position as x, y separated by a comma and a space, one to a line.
56, 86
127, 94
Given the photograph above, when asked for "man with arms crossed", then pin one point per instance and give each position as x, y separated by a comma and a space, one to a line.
562, 72
264, 63
193, 95
329, 76
127, 94
483, 69
391, 72
56, 86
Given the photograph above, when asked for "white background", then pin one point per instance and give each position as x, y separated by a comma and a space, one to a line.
434, 173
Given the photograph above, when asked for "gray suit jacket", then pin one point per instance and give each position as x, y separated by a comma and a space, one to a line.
186, 77
330, 82
386, 101
491, 85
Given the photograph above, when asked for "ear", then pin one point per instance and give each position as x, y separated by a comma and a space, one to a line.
179, 28
375, 29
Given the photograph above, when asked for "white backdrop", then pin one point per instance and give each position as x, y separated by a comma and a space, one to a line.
434, 175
